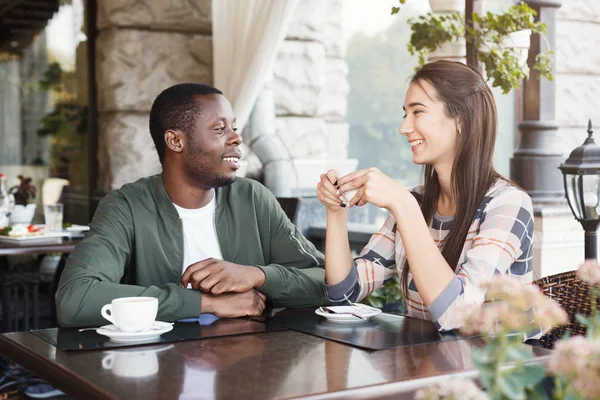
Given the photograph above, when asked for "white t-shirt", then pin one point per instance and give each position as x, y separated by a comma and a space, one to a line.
199, 234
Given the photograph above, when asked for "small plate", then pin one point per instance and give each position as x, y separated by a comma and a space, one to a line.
359, 309
117, 336
78, 228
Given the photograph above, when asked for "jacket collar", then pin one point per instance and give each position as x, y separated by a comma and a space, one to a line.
164, 201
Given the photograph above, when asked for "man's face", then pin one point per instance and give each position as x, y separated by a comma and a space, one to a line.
212, 153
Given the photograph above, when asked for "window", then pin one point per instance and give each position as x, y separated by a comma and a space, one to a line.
44, 100
379, 69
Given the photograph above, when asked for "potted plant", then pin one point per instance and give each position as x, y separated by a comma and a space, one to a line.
388, 297
502, 362
501, 41
24, 194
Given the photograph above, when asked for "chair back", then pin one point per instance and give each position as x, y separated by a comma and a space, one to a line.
573, 296
290, 206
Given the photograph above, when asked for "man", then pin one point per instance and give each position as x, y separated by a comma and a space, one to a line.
195, 237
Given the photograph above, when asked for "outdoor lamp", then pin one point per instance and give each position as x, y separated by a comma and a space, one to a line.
581, 174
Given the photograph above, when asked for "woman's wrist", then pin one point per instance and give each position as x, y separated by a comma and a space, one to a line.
337, 214
406, 205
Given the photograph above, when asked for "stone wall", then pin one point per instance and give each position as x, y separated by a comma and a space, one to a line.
146, 46
577, 70
142, 48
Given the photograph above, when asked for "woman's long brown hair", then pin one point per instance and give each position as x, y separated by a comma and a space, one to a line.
469, 100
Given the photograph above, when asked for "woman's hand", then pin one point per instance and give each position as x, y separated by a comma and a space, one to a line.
328, 194
374, 187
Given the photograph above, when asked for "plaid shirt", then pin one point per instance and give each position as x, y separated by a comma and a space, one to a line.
499, 241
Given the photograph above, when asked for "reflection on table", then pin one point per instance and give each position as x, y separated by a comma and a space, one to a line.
279, 364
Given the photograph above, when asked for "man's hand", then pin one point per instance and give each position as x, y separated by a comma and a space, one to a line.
217, 276
231, 305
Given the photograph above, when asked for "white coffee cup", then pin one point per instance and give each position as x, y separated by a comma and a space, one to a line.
131, 314
348, 194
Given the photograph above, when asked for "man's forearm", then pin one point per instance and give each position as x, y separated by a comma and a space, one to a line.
78, 301
294, 287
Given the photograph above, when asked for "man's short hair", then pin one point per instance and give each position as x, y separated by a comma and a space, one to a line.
175, 108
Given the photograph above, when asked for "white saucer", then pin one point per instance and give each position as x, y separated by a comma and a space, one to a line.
359, 309
117, 336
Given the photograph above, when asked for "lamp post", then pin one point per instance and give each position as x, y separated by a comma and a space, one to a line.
581, 172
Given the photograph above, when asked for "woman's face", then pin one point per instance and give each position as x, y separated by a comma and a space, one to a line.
431, 134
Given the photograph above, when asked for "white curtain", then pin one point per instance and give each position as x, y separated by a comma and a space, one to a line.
246, 38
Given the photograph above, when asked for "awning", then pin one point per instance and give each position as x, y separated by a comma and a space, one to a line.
21, 20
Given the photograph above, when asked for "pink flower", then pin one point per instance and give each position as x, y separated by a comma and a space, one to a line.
549, 314
589, 272
452, 389
572, 356
587, 383
512, 306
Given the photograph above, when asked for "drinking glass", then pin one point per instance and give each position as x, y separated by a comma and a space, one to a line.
53, 215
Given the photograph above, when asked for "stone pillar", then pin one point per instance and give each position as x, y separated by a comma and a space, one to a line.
535, 163
555, 122
310, 90
142, 48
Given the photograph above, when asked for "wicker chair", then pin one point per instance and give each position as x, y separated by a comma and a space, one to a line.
573, 296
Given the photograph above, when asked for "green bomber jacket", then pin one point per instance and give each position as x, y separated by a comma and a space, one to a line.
135, 248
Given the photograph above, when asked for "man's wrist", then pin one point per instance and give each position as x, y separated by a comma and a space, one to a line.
260, 278
206, 303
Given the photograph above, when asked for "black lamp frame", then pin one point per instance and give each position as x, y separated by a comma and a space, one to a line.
584, 160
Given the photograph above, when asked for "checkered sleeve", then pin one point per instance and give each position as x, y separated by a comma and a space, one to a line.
502, 245
375, 265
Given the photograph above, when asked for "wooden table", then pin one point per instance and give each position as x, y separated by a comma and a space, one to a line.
27, 283
57, 245
281, 364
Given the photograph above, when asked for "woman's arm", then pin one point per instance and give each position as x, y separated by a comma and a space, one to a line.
430, 271
370, 270
338, 259
350, 280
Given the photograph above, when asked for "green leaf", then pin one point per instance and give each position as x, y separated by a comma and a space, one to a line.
486, 376
529, 375
537, 393
482, 358
511, 388
513, 384
582, 320
518, 354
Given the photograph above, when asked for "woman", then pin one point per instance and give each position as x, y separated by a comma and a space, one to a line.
465, 224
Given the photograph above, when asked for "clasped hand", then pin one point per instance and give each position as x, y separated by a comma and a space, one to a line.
229, 289
372, 185
216, 276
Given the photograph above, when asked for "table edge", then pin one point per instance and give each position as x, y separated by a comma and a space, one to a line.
54, 373
37, 249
